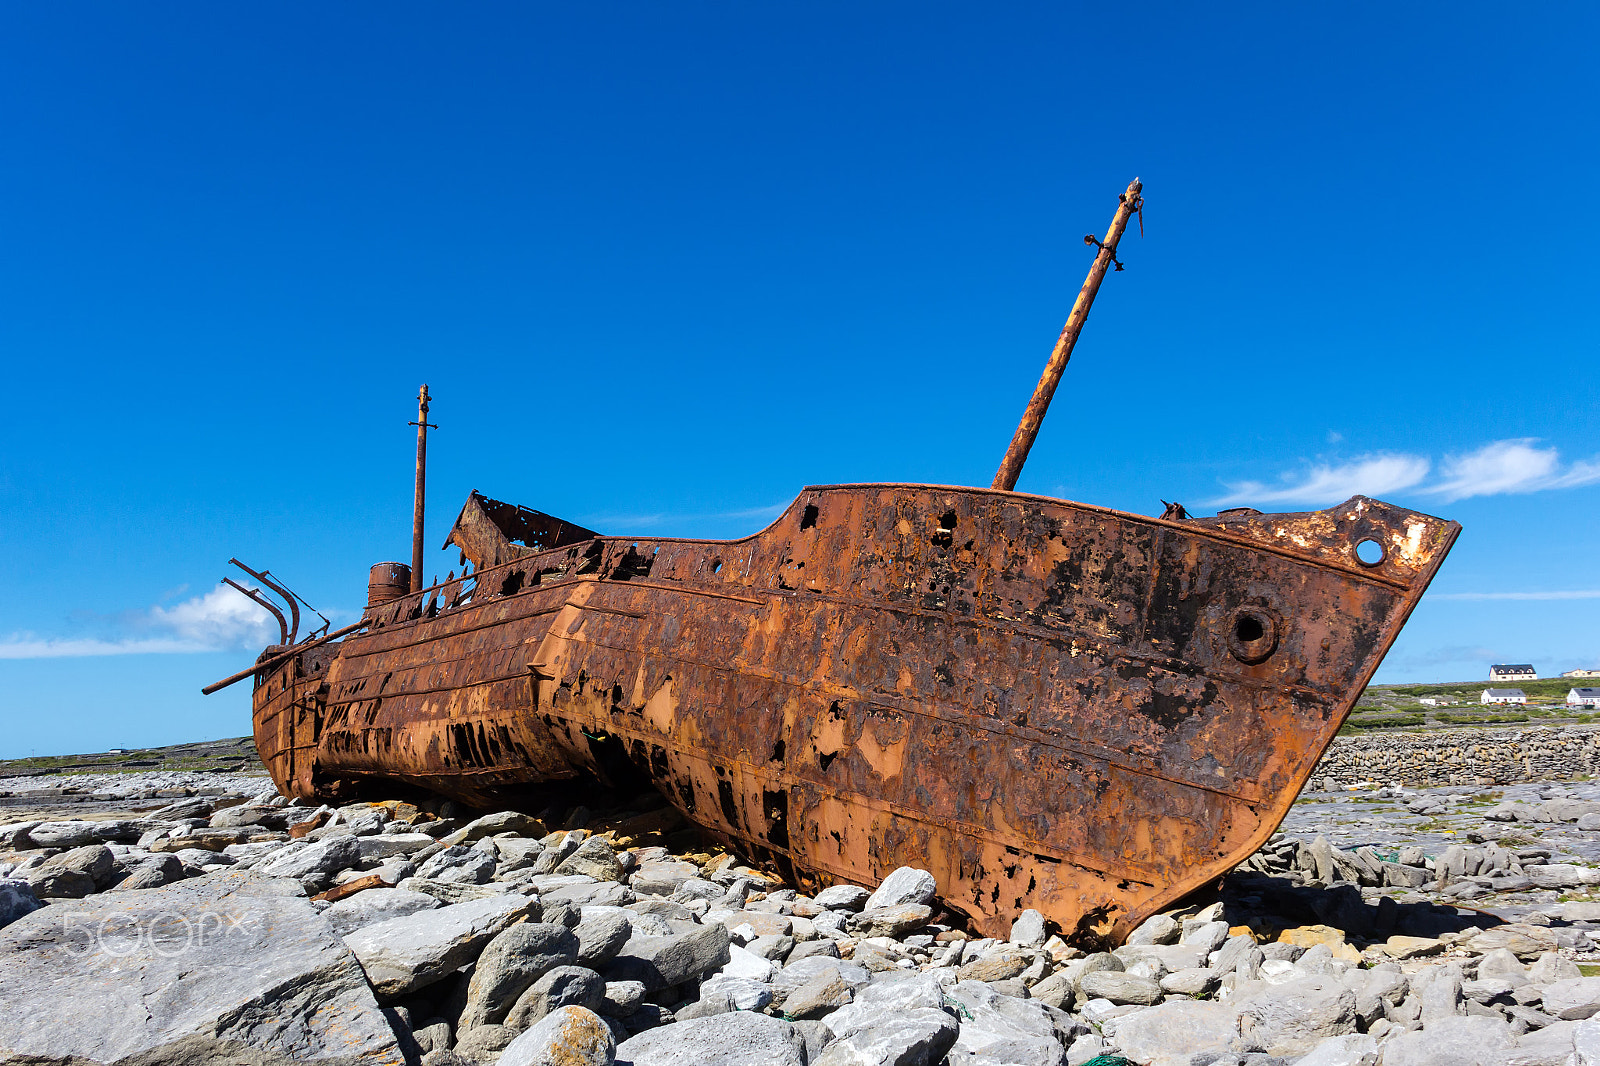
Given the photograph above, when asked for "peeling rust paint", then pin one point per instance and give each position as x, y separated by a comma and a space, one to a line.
1045, 704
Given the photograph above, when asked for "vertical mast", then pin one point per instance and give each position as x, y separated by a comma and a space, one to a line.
1028, 428
423, 426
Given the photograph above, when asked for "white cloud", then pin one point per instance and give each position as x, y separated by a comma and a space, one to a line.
1498, 467
1371, 475
221, 620
1518, 465
28, 646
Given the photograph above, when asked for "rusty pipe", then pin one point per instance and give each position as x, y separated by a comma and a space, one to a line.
1005, 478
422, 478
268, 664
288, 597
254, 594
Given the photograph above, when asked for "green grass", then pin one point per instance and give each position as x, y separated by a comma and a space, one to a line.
1357, 725
1546, 688
1482, 719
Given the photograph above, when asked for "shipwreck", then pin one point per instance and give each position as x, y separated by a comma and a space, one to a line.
1046, 704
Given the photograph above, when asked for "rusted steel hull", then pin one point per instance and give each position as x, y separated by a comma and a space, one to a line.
1045, 704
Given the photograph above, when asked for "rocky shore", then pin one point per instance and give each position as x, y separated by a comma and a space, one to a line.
1408, 927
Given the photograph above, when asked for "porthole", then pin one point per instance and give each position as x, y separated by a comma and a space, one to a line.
1369, 552
1253, 635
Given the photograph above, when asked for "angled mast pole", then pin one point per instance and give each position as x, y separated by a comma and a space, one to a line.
1033, 417
423, 425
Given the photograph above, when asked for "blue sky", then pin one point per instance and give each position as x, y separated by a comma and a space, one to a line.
664, 266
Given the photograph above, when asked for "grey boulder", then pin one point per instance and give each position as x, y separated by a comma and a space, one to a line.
1002, 1029
512, 962
738, 1039
1454, 1041
662, 877
1170, 1033
375, 905
16, 900
842, 898
569, 1036
151, 872
564, 986
905, 885
1029, 930
1120, 988
660, 961
595, 858
1573, 999
919, 1037
404, 954
1291, 1018
230, 967
894, 920
325, 856
601, 934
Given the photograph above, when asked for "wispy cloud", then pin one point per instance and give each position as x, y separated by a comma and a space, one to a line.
220, 620
1370, 475
1568, 594
624, 523
1511, 466
1500, 467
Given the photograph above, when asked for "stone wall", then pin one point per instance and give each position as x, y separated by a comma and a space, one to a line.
1460, 757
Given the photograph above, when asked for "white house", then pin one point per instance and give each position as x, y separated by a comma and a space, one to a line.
1513, 672
1434, 701
1584, 697
1581, 673
1503, 695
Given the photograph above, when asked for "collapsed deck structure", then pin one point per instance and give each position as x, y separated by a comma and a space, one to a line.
1046, 704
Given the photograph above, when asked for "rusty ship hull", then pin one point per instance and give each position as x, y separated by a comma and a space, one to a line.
1046, 704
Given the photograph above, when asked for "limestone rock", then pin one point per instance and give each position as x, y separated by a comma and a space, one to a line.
842, 898
16, 900
1120, 987
501, 822
1466, 1041
563, 986
510, 964
212, 969
1573, 999
825, 992
918, 1037
999, 1029
151, 872
1156, 929
484, 1043
660, 961
375, 905
738, 1039
894, 920
1291, 1018
569, 1036
594, 858
907, 885
403, 954
601, 934
325, 856
1169, 1033
662, 877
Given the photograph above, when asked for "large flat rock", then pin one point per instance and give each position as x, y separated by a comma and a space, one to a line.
225, 968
